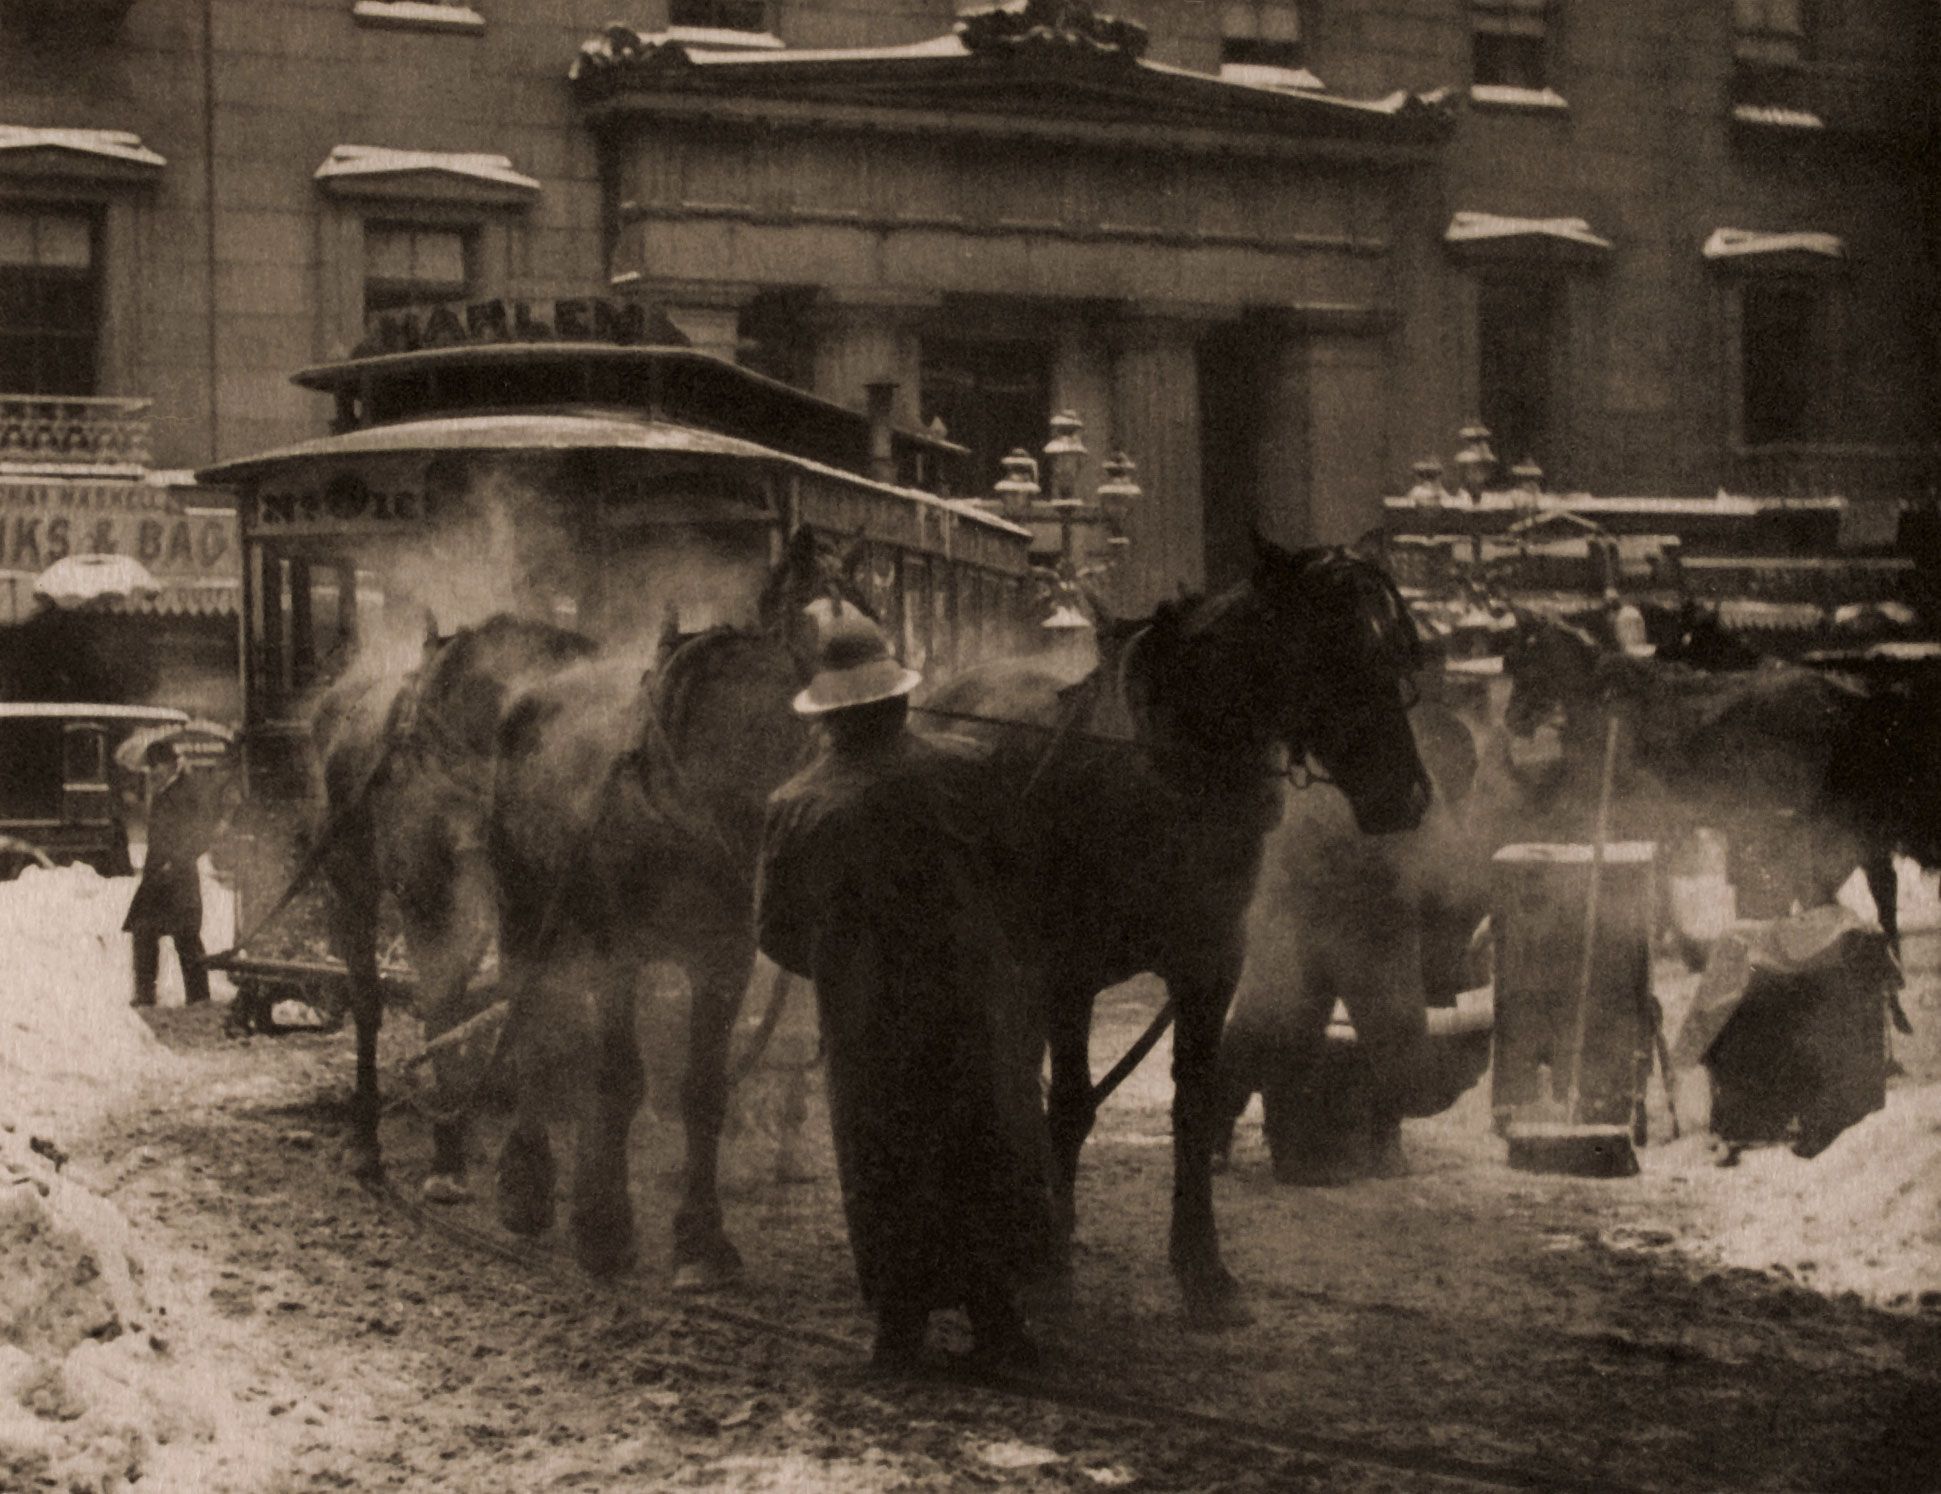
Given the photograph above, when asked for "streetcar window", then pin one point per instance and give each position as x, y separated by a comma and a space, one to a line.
30, 778
916, 610
83, 755
944, 613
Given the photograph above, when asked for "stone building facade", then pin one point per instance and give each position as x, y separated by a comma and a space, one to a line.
1276, 249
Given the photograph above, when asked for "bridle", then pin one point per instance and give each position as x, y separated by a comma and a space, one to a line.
1396, 644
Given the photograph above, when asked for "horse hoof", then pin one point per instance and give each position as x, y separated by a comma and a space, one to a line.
692, 1278
444, 1188
365, 1161
1217, 1312
606, 1250
1311, 1173
1050, 1296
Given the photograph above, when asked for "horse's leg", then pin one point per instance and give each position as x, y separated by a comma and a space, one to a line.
1069, 1111
1200, 1003
603, 1216
718, 968
446, 948
1390, 1014
524, 1187
354, 895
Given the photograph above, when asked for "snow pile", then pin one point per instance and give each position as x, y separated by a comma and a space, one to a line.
1864, 1216
69, 1042
92, 1392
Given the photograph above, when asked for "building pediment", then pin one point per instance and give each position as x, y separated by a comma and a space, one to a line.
1045, 66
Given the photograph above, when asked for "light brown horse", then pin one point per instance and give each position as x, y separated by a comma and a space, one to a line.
407, 764
626, 824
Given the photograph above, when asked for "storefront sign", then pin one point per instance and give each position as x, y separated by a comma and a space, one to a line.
45, 520
588, 319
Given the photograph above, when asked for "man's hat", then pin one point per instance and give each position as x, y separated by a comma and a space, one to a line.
854, 668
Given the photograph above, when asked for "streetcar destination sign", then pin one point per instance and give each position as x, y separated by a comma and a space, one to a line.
569, 319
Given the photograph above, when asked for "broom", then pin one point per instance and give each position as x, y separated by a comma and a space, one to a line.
1574, 1147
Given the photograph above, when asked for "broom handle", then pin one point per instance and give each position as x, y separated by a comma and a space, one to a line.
1585, 971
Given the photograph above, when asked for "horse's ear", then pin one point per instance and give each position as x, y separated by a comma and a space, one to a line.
1266, 552
800, 552
431, 630
853, 563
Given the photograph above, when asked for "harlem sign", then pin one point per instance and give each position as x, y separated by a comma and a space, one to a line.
585, 319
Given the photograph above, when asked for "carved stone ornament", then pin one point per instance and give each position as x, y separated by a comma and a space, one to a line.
1045, 24
617, 46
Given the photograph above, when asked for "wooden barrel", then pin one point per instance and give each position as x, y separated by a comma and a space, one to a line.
1539, 895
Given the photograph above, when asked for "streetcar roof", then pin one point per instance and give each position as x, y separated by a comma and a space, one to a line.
84, 710
563, 431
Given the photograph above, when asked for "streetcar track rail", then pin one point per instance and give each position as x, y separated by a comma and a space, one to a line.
1332, 1451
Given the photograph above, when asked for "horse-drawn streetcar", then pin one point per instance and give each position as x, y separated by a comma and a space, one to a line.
598, 475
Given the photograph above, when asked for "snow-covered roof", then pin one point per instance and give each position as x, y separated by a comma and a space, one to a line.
559, 431
1475, 228
115, 145
380, 161
1742, 243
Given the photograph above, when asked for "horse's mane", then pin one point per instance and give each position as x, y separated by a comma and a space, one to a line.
674, 684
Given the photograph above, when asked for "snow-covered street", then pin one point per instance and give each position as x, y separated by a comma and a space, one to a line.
197, 1297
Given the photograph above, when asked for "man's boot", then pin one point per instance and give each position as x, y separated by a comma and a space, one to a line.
899, 1338
148, 956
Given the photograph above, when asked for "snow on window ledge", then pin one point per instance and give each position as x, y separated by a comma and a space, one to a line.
717, 39
1262, 75
1776, 117
419, 15
1503, 96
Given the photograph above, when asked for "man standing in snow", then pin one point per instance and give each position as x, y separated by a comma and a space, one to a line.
168, 900
875, 883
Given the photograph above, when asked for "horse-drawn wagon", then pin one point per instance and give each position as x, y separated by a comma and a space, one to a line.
595, 473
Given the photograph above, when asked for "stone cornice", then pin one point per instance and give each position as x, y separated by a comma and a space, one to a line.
1033, 88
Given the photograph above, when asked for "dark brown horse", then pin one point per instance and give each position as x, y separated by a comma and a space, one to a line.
1837, 760
407, 765
628, 814
1134, 807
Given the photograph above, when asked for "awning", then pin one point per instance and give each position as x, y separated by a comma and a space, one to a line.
186, 599
1747, 243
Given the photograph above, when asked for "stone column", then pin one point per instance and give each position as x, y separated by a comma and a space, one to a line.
1283, 455
866, 337
1348, 462
1156, 418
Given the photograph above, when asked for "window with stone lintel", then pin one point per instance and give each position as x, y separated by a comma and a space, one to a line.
50, 300
1262, 33
1511, 44
719, 15
415, 264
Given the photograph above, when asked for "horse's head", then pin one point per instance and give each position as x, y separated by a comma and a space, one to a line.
1313, 654
812, 581
467, 677
1341, 653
